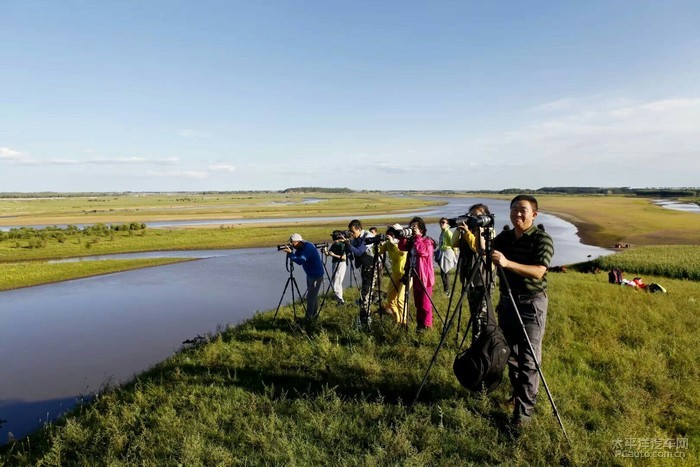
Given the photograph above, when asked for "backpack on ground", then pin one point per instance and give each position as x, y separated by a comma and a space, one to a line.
615, 276
481, 365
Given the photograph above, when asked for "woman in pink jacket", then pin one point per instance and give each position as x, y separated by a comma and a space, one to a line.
420, 248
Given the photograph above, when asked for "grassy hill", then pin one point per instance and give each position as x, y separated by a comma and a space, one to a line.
622, 364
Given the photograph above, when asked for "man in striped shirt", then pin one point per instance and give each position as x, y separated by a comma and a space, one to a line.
523, 253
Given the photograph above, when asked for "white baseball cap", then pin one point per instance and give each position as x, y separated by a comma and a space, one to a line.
295, 238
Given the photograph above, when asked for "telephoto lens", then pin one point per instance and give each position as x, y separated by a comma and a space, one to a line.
479, 221
455, 221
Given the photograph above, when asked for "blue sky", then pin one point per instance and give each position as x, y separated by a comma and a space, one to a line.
257, 95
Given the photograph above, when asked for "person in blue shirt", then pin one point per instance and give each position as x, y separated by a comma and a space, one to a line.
306, 254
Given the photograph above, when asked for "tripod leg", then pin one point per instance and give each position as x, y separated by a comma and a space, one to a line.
330, 285
286, 284
443, 336
426, 294
303, 305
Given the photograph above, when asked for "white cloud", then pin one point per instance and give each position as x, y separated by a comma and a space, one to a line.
222, 168
638, 142
13, 155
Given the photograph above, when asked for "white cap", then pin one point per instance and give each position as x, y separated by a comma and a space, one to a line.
396, 227
295, 238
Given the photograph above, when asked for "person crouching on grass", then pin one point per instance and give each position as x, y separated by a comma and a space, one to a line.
421, 247
306, 254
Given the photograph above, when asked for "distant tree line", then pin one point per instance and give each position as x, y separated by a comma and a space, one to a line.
579, 190
317, 189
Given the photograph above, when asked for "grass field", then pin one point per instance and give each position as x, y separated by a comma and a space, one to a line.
160, 240
679, 261
268, 392
144, 207
607, 220
27, 274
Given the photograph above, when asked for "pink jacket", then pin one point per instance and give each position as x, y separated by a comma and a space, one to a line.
423, 250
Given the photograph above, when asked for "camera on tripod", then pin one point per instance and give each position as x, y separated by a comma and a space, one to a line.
375, 240
321, 246
472, 222
340, 234
405, 233
282, 247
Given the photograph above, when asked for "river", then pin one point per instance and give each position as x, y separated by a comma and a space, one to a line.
60, 341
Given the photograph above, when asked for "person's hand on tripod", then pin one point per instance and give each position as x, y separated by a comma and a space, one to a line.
499, 259
462, 227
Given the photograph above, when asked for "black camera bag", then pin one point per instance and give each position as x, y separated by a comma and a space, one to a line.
481, 365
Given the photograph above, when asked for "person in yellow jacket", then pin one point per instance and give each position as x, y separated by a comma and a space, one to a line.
396, 288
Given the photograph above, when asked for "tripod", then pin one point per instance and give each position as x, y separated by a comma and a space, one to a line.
351, 264
331, 279
411, 272
484, 259
289, 264
369, 283
475, 284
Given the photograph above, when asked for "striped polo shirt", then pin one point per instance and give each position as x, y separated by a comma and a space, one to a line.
534, 247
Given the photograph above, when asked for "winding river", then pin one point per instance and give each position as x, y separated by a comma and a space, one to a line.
61, 341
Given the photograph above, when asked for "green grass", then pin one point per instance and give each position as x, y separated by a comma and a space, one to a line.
27, 274
678, 261
184, 206
607, 220
621, 363
223, 237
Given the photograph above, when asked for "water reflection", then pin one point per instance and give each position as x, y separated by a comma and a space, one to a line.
678, 206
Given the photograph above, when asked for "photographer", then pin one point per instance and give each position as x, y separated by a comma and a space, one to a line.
306, 254
337, 252
397, 289
471, 244
364, 257
523, 253
421, 248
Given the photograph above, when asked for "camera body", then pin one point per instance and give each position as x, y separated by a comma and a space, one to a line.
340, 235
375, 240
472, 222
